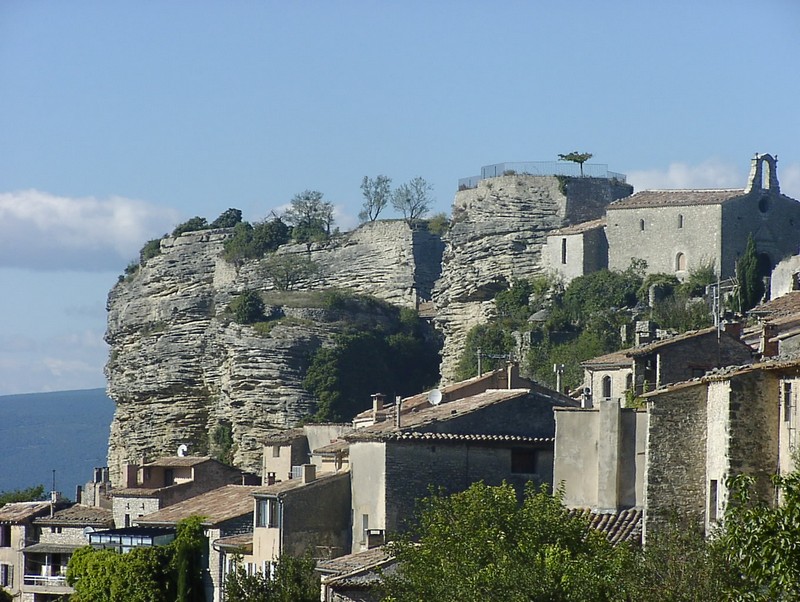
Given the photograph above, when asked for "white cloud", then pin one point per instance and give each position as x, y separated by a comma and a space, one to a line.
711, 173
42, 231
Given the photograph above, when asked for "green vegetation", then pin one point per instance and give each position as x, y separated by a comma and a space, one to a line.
377, 193
253, 241
158, 574
311, 218
31, 494
294, 581
223, 447
751, 284
228, 219
399, 358
287, 270
192, 225
576, 157
413, 200
437, 224
247, 308
481, 544
150, 249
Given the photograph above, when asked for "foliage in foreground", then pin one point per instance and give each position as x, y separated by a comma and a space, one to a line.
294, 580
155, 574
481, 544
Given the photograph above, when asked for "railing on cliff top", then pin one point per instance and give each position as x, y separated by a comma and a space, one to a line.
542, 168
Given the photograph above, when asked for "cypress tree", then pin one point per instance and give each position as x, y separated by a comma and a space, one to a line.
751, 287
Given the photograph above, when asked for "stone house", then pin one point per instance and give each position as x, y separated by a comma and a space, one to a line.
577, 250
16, 532
652, 365
226, 511
676, 231
355, 577
286, 452
150, 486
494, 436
58, 535
778, 328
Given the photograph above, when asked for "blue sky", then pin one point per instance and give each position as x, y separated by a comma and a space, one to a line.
119, 120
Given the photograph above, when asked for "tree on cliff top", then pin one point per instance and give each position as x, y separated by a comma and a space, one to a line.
376, 193
576, 157
413, 199
311, 218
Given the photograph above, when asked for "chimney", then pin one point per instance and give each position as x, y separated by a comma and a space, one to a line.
768, 348
309, 473
79, 494
733, 328
131, 472
512, 370
270, 478
398, 405
377, 405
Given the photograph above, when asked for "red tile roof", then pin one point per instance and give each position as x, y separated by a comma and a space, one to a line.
676, 198
580, 228
17, 512
217, 506
620, 526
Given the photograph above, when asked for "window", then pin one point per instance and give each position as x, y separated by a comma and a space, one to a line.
364, 527
680, 221
523, 461
276, 451
680, 262
563, 250
6, 575
55, 529
641, 225
606, 387
787, 402
5, 536
267, 512
712, 500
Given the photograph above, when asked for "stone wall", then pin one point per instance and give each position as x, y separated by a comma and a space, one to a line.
675, 472
318, 514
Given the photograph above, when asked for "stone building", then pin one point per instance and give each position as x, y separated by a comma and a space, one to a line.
577, 250
676, 231
16, 532
226, 511
150, 486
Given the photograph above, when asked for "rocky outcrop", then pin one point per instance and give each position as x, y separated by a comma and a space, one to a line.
498, 231
179, 367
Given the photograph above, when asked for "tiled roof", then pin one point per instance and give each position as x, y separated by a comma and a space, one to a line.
353, 562
620, 526
616, 359
284, 437
217, 506
243, 542
290, 484
690, 334
676, 198
580, 228
785, 305
340, 446
17, 512
442, 412
149, 491
179, 461
79, 515
52, 548
443, 437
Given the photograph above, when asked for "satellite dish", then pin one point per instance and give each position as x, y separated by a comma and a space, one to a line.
182, 449
88, 530
435, 397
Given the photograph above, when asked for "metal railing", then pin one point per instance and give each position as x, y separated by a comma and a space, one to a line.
542, 168
44, 581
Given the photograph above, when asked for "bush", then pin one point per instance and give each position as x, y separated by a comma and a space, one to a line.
253, 241
492, 340
247, 308
228, 219
192, 225
438, 224
150, 249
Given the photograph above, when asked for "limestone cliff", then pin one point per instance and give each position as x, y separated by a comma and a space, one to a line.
179, 366
497, 235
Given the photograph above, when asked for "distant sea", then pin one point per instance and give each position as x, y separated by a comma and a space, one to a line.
65, 431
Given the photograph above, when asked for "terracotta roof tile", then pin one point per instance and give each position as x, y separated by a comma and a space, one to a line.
17, 512
243, 542
78, 514
217, 506
676, 198
290, 484
785, 305
284, 437
620, 526
179, 461
353, 562
580, 228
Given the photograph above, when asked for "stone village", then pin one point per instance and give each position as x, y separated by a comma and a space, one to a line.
717, 402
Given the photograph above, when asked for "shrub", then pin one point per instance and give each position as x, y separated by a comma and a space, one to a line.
194, 224
247, 308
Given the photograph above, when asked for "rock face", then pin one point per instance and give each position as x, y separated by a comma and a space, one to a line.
499, 229
179, 367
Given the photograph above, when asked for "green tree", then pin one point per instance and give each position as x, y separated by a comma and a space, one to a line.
751, 285
377, 192
287, 270
31, 494
438, 224
294, 580
496, 344
247, 308
576, 157
228, 219
600, 291
192, 225
481, 544
150, 249
311, 218
253, 241
413, 200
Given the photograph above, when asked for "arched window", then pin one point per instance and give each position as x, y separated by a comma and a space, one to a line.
641, 225
680, 262
680, 220
606, 387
